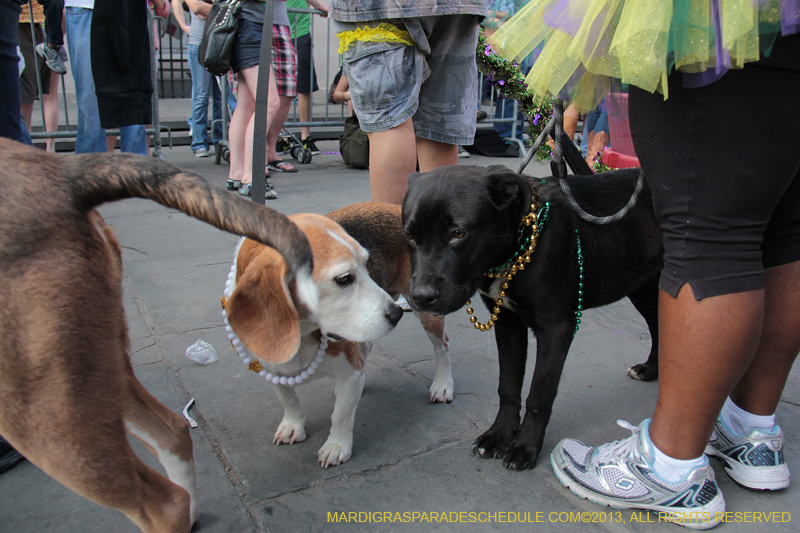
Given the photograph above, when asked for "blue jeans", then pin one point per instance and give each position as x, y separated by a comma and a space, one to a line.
91, 137
596, 121
203, 83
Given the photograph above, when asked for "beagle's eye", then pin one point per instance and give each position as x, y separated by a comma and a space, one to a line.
344, 280
457, 234
408, 236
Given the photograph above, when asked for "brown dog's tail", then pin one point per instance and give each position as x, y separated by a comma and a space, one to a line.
99, 178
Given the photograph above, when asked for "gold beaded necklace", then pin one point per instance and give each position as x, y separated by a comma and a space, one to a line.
518, 262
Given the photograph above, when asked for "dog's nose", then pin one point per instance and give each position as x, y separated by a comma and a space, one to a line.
425, 296
394, 314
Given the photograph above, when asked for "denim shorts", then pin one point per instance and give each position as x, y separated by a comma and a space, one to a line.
434, 83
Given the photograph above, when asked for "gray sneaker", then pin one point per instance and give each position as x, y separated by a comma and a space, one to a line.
620, 474
754, 460
54, 58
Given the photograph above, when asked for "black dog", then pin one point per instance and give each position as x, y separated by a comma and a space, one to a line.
460, 222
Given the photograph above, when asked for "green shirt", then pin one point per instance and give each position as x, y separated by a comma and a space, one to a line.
299, 22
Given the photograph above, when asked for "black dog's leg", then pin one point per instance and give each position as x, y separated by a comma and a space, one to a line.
512, 350
645, 300
552, 345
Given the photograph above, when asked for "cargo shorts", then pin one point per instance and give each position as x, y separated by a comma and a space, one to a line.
434, 83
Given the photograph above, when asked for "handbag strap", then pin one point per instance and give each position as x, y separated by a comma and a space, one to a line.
260, 119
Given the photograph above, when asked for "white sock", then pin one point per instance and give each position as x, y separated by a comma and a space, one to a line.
741, 422
673, 470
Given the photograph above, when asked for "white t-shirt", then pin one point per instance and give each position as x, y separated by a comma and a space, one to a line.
89, 4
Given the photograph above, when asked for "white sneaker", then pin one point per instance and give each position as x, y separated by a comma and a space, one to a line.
620, 474
754, 460
201, 152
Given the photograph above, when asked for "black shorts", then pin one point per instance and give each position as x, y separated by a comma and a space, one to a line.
28, 86
723, 163
306, 75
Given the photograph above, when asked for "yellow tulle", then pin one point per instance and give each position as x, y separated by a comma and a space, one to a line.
590, 42
382, 33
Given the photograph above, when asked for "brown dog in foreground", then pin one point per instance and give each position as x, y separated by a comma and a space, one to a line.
68, 392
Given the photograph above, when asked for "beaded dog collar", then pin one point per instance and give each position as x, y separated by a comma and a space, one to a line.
254, 364
517, 262
537, 222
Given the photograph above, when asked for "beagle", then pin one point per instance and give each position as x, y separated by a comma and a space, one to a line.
355, 271
265, 318
67, 388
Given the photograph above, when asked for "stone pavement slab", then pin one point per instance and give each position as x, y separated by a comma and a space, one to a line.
409, 455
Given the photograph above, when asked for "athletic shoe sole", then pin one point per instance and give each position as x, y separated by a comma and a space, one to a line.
753, 477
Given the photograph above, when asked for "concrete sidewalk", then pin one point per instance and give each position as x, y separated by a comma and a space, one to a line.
409, 455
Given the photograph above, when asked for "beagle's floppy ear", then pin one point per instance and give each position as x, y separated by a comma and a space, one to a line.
261, 311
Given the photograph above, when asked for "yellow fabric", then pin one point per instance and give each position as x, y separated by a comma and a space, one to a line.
382, 33
635, 41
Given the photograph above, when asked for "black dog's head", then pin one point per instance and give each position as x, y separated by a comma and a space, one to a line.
459, 222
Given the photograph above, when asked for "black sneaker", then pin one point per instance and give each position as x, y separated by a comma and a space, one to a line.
282, 146
308, 144
8, 455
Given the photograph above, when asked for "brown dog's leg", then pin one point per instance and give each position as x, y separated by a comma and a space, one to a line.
442, 386
79, 439
166, 435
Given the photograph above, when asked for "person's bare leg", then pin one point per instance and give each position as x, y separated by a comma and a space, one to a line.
434, 154
51, 110
111, 142
304, 110
392, 159
704, 350
237, 131
276, 120
760, 389
27, 114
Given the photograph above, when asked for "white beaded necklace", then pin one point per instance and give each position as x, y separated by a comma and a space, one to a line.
256, 366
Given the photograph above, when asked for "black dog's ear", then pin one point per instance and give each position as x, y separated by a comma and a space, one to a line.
508, 189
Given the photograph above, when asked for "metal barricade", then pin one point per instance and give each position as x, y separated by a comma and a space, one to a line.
169, 72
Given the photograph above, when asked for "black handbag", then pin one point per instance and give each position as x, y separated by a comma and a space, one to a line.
354, 144
219, 33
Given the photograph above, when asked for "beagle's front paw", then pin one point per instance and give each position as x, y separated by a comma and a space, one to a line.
334, 453
289, 432
442, 388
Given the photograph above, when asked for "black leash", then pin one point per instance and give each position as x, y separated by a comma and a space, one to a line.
559, 168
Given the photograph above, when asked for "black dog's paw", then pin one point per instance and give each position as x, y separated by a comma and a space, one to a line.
492, 443
643, 372
520, 456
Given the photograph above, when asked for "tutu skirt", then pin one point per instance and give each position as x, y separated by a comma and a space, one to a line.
585, 46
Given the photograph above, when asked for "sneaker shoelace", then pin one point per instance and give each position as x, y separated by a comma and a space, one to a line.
619, 449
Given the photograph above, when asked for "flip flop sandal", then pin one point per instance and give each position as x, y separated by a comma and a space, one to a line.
280, 166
